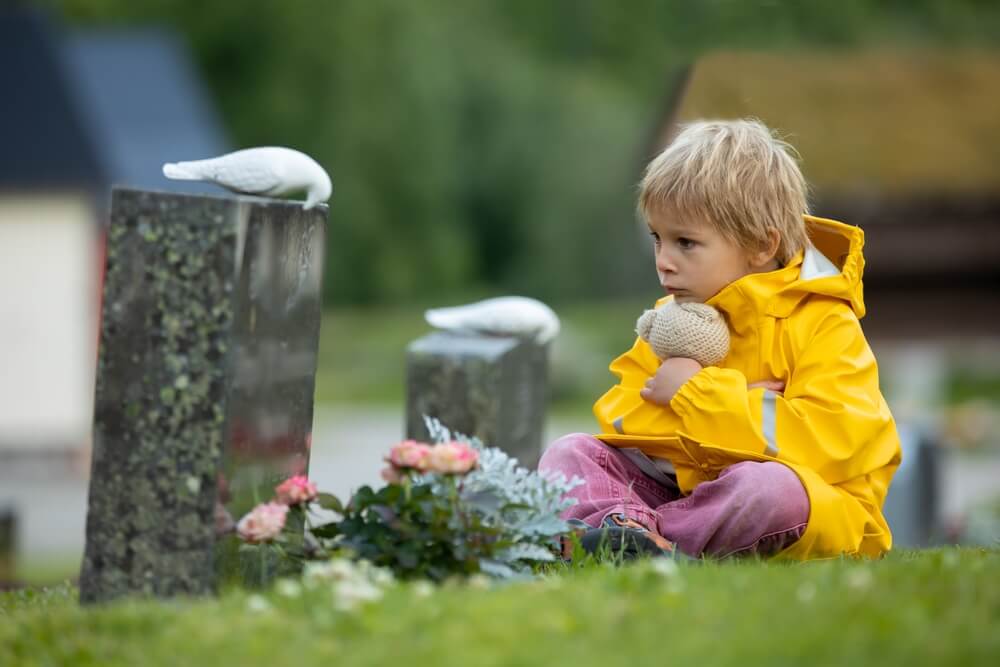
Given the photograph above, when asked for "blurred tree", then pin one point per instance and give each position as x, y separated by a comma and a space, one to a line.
489, 145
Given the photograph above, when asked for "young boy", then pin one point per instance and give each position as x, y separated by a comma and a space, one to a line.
787, 446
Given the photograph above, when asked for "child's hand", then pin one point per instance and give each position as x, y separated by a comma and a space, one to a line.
672, 374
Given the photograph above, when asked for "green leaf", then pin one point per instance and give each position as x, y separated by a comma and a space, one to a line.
525, 551
486, 501
362, 498
389, 494
326, 531
328, 501
496, 568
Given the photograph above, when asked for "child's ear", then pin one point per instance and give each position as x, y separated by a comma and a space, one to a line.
768, 249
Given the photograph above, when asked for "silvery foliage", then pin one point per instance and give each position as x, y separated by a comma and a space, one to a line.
525, 503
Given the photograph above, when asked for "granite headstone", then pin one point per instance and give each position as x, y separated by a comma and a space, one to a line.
209, 336
8, 544
494, 388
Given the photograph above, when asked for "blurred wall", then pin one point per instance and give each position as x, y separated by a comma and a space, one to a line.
48, 320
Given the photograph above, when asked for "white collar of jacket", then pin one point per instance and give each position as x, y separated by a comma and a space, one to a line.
831, 265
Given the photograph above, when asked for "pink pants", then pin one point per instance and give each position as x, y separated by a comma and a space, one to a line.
751, 508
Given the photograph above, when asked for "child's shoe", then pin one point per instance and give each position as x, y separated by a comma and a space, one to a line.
578, 529
621, 535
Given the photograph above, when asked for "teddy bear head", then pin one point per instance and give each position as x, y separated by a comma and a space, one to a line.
693, 330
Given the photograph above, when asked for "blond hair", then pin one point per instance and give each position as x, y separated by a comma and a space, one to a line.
738, 176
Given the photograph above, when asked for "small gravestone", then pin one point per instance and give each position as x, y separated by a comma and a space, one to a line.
911, 505
8, 544
209, 336
494, 388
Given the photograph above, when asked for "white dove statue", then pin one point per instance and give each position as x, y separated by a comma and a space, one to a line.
503, 316
267, 170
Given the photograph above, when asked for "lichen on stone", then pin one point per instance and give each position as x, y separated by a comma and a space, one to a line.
171, 340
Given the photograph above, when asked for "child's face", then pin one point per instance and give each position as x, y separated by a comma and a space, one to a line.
694, 260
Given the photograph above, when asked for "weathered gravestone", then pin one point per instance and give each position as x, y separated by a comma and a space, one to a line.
8, 544
494, 388
911, 505
209, 335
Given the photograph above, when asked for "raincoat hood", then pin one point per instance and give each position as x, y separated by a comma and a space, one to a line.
832, 265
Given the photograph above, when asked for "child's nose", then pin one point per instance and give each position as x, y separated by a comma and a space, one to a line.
664, 263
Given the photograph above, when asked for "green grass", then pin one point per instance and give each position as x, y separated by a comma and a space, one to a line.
40, 570
936, 608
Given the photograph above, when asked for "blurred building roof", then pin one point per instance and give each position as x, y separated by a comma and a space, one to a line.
865, 121
44, 139
88, 109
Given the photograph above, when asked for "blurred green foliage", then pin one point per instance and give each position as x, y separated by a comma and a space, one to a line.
375, 339
489, 146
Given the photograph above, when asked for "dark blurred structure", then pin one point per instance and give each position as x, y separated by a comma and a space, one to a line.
98, 107
82, 110
8, 545
933, 263
45, 138
913, 504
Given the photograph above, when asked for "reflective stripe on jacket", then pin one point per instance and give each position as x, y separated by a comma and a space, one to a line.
798, 324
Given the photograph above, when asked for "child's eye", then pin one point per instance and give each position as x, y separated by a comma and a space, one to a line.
656, 237
685, 244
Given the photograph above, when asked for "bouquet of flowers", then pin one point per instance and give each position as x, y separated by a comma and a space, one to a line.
451, 507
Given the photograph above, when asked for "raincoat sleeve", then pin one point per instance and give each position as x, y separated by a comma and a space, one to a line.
830, 411
621, 409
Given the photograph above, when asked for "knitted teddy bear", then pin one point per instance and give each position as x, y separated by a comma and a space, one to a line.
693, 330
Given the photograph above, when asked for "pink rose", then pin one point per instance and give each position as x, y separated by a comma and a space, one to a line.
263, 523
453, 457
296, 490
410, 454
392, 475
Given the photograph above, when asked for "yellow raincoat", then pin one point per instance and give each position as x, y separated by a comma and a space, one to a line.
798, 324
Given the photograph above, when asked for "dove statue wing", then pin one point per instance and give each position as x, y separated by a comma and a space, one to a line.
256, 177
265, 170
251, 173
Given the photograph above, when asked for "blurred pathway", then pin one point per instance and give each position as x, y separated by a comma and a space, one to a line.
348, 445
50, 496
